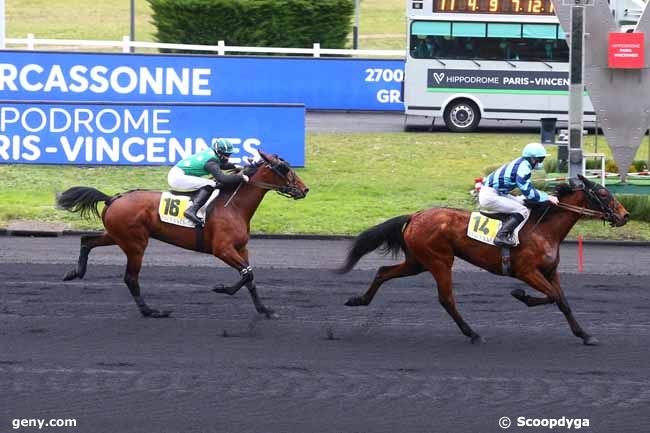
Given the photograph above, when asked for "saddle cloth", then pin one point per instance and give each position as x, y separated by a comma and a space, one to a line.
484, 229
172, 207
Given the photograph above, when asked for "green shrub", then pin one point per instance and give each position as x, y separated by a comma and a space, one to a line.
261, 23
637, 205
551, 165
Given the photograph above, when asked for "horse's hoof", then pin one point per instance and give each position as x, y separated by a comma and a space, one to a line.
355, 301
220, 288
519, 294
477, 339
270, 314
590, 341
156, 314
70, 275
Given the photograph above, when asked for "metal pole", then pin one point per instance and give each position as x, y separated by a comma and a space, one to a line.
131, 49
355, 29
576, 88
596, 138
2, 24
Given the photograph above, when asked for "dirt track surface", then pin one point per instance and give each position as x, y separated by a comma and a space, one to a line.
81, 350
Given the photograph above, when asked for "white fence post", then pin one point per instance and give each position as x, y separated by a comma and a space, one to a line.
30, 41
126, 44
221, 48
316, 49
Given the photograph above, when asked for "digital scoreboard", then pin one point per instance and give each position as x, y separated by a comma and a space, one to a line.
513, 7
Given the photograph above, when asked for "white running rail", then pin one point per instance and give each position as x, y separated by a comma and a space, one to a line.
31, 42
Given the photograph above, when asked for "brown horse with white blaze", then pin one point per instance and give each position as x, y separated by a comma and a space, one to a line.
430, 239
131, 218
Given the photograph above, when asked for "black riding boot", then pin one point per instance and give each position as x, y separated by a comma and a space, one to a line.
504, 238
198, 201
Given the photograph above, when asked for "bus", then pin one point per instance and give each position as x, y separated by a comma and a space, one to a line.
469, 60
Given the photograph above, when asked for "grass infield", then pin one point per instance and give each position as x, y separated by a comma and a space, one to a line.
355, 180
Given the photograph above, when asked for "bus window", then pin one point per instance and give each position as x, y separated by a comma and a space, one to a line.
488, 41
428, 39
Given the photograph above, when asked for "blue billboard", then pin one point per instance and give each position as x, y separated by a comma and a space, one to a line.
318, 83
145, 133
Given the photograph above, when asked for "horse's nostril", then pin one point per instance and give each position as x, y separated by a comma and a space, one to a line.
306, 190
626, 218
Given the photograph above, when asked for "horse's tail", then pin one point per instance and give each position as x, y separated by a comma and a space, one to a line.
387, 235
82, 199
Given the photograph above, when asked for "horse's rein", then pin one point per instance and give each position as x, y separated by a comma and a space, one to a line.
573, 208
582, 210
265, 185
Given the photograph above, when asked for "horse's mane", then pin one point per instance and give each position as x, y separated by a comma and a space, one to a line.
562, 189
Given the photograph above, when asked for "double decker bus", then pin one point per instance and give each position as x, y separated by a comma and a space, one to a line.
469, 60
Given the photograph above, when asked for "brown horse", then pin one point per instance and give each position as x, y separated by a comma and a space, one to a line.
131, 218
430, 240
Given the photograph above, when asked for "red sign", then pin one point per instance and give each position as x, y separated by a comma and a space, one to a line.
626, 50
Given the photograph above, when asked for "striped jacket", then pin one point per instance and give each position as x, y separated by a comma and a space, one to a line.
515, 174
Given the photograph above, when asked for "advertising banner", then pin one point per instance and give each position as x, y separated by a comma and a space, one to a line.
626, 50
145, 134
486, 81
318, 83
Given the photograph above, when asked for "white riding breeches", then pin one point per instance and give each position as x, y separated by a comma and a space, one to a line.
179, 181
490, 200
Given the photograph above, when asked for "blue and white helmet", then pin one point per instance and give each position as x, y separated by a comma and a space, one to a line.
534, 150
537, 151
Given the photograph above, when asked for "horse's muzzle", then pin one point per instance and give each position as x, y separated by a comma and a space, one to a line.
618, 221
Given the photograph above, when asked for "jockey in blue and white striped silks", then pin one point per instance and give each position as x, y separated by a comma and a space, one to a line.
494, 195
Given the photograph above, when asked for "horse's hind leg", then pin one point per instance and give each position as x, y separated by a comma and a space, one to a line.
88, 242
385, 273
441, 271
133, 266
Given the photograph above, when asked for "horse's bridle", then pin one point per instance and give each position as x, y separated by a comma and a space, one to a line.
282, 170
605, 213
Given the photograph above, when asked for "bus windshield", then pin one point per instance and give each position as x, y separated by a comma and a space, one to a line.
487, 41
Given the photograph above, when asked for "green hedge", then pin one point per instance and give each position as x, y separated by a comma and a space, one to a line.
637, 205
261, 23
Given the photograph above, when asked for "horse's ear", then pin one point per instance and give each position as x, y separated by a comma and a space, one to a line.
264, 156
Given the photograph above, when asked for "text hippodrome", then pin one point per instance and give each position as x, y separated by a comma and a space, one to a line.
510, 81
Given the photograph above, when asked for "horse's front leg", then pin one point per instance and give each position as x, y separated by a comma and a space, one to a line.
239, 261
551, 288
259, 306
530, 301
246, 277
252, 289
564, 307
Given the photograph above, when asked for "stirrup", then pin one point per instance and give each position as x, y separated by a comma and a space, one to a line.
193, 217
509, 241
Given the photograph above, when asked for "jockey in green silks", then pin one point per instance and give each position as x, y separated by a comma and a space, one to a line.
189, 175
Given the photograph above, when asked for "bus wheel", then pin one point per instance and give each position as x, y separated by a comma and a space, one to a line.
462, 116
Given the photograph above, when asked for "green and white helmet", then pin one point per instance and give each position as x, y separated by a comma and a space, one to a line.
222, 146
